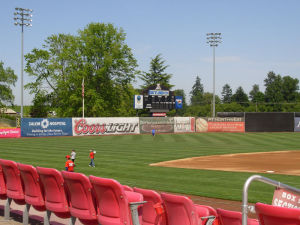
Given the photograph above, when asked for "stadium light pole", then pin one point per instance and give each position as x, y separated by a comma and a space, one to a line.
22, 18
213, 39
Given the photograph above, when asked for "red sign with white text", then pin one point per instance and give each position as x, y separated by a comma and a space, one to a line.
286, 199
226, 127
10, 133
159, 114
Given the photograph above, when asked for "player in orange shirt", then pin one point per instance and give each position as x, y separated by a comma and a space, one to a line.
92, 157
69, 166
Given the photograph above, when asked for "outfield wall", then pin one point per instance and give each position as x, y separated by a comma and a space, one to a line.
251, 122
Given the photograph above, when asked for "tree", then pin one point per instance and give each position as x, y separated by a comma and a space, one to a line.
273, 84
289, 88
240, 96
208, 98
156, 74
99, 55
256, 95
41, 106
197, 92
226, 93
7, 78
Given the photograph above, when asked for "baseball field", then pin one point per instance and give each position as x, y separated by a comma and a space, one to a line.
127, 158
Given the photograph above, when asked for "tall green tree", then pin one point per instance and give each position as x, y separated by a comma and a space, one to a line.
197, 92
273, 84
256, 95
7, 78
100, 56
240, 96
226, 93
290, 87
157, 74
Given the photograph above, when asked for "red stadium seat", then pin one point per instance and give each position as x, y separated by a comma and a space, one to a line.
182, 211
3, 195
32, 190
127, 188
275, 215
153, 210
227, 217
14, 186
55, 196
113, 201
82, 200
32, 187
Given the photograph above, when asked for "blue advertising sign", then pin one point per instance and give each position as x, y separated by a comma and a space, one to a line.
158, 92
178, 102
297, 124
43, 127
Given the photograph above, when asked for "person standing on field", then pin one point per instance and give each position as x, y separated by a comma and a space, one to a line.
73, 155
92, 157
69, 166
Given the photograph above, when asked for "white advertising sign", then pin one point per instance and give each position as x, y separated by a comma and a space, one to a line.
105, 126
138, 101
184, 124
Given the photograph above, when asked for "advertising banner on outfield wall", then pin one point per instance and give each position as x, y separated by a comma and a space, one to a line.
297, 124
220, 124
184, 124
160, 124
10, 133
105, 126
44, 127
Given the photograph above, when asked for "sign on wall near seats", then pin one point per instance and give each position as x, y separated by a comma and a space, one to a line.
184, 124
10, 133
220, 124
43, 127
160, 124
297, 124
105, 126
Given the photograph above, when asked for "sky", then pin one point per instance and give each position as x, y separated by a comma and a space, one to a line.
258, 36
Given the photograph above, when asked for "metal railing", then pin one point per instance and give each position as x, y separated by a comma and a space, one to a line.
264, 180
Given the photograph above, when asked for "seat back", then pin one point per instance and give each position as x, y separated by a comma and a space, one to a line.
82, 204
32, 187
14, 186
153, 209
180, 210
3, 195
112, 201
54, 189
275, 215
227, 217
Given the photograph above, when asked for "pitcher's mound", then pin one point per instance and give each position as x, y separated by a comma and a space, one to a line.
279, 162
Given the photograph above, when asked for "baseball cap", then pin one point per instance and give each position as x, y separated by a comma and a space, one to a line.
67, 156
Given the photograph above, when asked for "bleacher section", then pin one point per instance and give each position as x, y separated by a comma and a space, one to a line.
96, 200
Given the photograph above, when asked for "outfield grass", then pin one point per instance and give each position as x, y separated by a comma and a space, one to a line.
127, 158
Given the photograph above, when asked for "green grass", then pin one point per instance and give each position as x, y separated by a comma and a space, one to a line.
127, 158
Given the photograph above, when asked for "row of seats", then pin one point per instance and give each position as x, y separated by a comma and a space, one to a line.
93, 200
96, 200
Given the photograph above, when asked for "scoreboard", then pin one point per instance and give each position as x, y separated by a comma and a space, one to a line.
159, 102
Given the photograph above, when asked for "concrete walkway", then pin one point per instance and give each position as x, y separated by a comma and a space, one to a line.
35, 218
